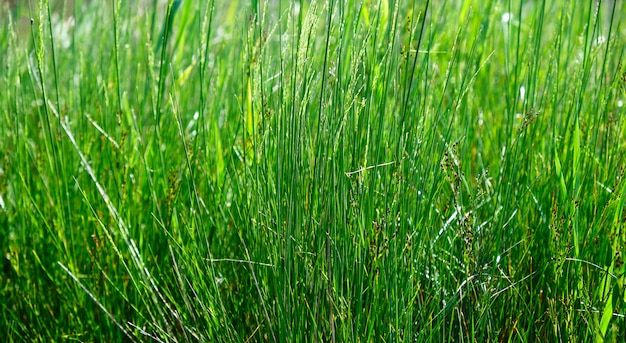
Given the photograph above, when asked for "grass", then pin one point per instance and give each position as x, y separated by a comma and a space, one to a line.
347, 171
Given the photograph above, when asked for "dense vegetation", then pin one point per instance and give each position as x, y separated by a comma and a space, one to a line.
351, 171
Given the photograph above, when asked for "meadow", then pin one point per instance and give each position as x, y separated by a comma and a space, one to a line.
313, 171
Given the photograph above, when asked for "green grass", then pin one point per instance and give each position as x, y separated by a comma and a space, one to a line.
350, 171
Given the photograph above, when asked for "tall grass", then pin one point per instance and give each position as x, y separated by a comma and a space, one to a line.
345, 171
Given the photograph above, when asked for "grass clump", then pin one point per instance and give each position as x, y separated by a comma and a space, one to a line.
312, 171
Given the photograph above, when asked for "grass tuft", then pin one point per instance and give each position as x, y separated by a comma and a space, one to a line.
370, 170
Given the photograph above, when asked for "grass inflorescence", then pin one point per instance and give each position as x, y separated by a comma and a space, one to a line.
347, 171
